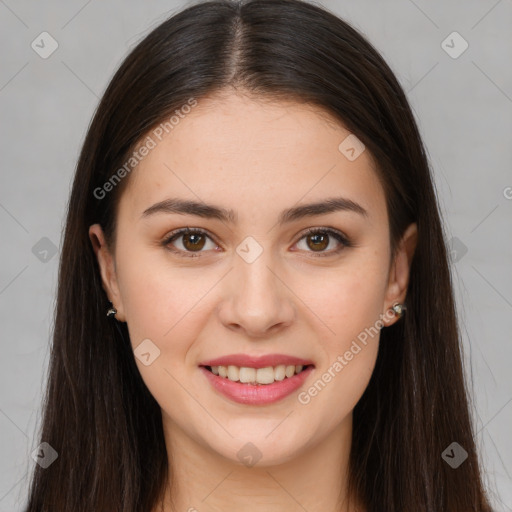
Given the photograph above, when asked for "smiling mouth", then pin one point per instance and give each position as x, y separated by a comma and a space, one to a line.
257, 376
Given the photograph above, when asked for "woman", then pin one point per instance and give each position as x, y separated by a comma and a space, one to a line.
255, 309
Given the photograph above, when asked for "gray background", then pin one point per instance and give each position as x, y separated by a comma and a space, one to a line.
464, 109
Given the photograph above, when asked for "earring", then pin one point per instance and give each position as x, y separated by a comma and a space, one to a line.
112, 312
399, 309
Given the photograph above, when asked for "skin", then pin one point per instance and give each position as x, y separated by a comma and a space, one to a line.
257, 158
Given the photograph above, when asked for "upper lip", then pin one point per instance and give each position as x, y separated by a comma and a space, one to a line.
244, 360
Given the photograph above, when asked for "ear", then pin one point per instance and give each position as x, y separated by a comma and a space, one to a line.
107, 267
399, 272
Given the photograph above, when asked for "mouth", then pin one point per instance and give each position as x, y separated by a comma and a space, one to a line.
262, 385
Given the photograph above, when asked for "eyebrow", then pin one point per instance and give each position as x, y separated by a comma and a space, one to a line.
208, 211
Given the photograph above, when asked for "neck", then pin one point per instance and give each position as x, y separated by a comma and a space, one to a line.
315, 479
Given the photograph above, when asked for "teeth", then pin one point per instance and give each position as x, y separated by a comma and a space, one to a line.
257, 376
233, 373
265, 375
246, 375
280, 372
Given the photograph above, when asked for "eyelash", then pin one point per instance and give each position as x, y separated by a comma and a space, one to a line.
337, 235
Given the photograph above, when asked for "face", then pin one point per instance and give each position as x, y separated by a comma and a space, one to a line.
254, 287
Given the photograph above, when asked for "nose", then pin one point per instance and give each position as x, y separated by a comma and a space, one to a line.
258, 302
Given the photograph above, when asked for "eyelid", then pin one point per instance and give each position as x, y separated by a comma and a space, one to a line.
326, 229
338, 235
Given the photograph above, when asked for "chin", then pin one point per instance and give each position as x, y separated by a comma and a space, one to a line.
262, 450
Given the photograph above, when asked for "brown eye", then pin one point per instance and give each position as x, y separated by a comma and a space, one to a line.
318, 240
192, 241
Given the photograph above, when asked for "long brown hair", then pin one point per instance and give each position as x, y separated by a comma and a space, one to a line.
98, 414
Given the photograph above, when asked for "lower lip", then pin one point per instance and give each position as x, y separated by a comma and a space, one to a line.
257, 394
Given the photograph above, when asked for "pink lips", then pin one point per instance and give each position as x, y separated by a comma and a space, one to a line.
256, 361
256, 394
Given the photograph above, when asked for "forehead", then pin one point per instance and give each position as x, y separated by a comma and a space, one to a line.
251, 155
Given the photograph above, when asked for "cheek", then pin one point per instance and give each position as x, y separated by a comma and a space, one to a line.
155, 292
162, 305
349, 310
348, 299
338, 387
